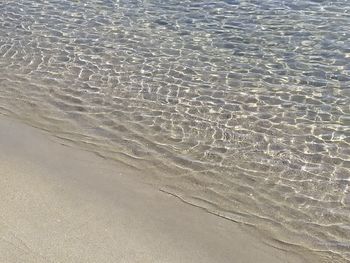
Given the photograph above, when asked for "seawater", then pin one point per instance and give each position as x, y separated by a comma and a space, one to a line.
239, 107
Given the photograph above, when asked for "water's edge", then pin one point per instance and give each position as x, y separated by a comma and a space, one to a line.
240, 107
264, 235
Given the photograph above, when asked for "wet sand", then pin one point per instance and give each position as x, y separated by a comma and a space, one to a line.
61, 204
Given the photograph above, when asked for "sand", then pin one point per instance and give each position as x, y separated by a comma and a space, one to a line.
61, 204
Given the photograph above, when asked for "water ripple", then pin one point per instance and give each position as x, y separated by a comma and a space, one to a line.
241, 107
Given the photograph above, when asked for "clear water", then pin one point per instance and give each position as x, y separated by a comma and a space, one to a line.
240, 107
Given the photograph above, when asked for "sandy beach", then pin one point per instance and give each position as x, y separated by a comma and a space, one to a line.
60, 204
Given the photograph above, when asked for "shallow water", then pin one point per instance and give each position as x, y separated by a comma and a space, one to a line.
240, 107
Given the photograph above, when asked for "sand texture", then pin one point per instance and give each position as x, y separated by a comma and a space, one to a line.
61, 204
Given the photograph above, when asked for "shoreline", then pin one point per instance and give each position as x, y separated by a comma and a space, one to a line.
63, 204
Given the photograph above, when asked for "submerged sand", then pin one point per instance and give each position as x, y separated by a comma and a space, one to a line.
61, 204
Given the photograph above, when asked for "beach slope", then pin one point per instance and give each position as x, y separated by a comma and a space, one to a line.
61, 204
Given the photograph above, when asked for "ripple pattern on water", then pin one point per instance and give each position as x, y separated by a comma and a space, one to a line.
241, 107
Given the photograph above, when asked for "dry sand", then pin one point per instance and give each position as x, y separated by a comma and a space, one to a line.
61, 204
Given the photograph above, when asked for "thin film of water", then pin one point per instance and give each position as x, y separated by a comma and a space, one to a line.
240, 107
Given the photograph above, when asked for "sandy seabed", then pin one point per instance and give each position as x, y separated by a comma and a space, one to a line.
62, 204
